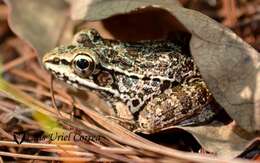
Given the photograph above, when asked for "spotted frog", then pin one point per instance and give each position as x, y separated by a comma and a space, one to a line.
154, 83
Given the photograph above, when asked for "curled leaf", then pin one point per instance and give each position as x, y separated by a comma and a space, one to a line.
229, 66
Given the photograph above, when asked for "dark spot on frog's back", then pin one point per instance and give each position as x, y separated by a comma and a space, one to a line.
165, 85
185, 102
132, 52
189, 65
155, 82
84, 40
147, 90
71, 47
110, 53
201, 94
65, 78
96, 39
57, 73
125, 63
135, 102
127, 82
146, 65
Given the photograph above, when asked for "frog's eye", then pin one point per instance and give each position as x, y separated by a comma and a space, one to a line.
83, 65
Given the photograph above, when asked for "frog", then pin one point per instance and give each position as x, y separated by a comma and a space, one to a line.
150, 85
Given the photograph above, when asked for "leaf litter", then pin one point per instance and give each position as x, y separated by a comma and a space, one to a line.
215, 49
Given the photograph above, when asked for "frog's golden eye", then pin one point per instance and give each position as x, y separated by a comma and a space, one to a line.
83, 65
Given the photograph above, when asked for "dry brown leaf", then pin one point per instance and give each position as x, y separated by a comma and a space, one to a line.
100, 9
224, 140
40, 23
229, 66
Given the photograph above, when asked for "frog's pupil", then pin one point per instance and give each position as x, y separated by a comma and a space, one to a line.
82, 63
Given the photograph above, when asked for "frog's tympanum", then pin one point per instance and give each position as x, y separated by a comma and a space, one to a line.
153, 83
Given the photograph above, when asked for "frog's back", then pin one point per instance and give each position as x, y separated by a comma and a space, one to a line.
162, 59
147, 59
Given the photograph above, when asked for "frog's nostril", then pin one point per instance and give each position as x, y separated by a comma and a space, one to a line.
64, 62
56, 61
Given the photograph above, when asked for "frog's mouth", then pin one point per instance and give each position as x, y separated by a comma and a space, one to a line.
65, 73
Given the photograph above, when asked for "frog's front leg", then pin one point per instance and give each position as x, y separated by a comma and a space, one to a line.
128, 124
174, 106
123, 116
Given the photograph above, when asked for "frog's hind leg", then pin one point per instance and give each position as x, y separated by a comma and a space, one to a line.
174, 106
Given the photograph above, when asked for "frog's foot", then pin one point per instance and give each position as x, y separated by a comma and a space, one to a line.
204, 117
126, 123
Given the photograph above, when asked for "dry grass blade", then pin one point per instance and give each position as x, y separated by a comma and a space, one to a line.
16, 62
53, 98
17, 95
48, 158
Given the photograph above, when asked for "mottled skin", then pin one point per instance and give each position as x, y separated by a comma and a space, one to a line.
151, 85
